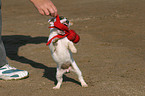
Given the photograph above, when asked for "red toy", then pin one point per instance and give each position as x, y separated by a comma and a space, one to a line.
70, 34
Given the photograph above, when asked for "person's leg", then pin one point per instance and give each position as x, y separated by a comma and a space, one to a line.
6, 71
3, 60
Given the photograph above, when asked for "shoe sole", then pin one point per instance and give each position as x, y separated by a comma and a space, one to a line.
10, 78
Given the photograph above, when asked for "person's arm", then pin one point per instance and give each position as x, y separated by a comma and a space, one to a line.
45, 7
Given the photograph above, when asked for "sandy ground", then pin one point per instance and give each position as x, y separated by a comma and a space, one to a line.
111, 53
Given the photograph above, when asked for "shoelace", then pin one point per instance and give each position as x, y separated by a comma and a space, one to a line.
8, 67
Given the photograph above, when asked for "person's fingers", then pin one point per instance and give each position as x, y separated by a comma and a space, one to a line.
55, 11
46, 11
51, 10
41, 11
45, 7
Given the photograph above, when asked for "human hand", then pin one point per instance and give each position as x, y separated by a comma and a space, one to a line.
45, 7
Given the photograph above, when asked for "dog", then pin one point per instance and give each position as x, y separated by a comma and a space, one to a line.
61, 51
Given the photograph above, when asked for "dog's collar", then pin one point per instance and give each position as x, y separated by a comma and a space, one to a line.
70, 34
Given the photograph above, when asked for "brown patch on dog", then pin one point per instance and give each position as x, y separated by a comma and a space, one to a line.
65, 66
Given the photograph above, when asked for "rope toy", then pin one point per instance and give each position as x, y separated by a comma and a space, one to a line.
70, 34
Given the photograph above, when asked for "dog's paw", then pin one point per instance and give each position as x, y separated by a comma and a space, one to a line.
84, 85
56, 88
74, 50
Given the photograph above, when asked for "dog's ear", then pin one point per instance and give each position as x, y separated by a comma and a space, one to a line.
61, 17
51, 20
68, 23
71, 23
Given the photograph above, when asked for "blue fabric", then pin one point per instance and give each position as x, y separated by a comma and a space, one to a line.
15, 76
11, 71
2, 68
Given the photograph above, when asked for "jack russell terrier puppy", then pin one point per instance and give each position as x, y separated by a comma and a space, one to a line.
61, 43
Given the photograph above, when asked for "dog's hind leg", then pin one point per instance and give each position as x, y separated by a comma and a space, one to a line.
59, 78
79, 73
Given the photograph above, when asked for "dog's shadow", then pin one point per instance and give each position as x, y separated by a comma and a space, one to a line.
12, 44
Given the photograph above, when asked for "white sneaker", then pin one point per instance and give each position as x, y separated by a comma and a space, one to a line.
11, 73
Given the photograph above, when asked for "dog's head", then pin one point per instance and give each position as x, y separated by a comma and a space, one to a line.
63, 20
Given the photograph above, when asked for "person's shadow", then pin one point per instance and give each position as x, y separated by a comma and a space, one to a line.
12, 44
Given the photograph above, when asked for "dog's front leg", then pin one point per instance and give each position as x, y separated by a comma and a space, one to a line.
55, 41
72, 47
59, 78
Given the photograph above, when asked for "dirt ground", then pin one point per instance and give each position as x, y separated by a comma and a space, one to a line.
111, 52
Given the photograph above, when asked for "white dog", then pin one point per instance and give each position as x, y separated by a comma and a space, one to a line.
61, 51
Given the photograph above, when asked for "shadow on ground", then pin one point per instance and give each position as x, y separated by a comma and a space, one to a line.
14, 42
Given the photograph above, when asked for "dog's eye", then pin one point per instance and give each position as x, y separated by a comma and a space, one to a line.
65, 24
61, 17
67, 21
